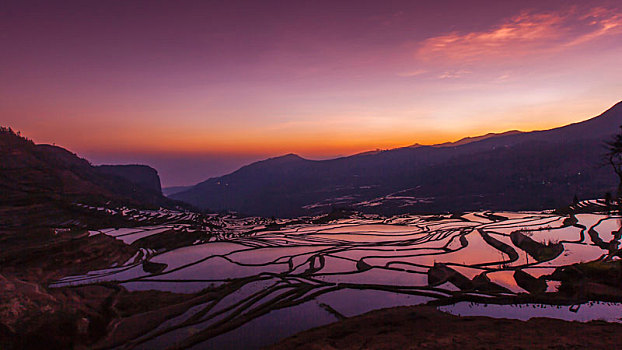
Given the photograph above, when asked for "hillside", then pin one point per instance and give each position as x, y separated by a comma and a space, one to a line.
40, 182
510, 171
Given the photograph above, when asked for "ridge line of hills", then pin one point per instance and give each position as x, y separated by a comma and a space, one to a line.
508, 171
513, 170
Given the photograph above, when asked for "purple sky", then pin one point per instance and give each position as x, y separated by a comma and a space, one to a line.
198, 88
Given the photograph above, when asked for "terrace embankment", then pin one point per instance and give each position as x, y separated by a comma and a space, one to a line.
424, 327
229, 282
33, 316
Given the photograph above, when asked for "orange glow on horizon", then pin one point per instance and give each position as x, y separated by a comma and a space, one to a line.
318, 144
319, 83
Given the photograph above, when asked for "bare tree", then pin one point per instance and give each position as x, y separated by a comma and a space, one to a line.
614, 156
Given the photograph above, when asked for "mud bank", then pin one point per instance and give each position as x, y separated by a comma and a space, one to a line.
424, 327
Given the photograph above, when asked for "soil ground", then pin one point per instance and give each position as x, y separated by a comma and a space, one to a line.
424, 327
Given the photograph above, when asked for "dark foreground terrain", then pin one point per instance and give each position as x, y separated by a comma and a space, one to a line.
424, 327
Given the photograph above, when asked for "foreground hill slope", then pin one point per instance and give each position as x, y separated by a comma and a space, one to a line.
513, 171
425, 327
42, 180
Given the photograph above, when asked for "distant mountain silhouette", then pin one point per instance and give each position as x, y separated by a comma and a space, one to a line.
512, 171
462, 141
43, 180
466, 140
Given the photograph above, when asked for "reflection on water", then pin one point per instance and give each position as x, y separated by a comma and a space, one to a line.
261, 285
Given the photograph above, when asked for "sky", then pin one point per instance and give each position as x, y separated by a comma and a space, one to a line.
198, 88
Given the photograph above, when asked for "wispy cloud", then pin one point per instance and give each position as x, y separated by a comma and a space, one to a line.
454, 74
528, 33
412, 73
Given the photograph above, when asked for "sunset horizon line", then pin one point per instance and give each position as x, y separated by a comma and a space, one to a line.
324, 153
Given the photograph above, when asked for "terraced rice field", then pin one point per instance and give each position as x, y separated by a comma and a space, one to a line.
255, 281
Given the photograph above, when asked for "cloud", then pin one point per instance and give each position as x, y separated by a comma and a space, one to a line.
525, 34
454, 74
412, 73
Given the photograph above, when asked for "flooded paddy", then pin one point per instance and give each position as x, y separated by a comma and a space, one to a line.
254, 281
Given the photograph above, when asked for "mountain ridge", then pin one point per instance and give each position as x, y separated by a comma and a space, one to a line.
139, 174
470, 139
43, 182
499, 171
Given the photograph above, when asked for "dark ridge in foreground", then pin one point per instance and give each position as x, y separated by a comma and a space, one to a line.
511, 171
424, 327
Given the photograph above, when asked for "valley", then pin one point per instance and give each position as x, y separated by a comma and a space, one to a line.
221, 281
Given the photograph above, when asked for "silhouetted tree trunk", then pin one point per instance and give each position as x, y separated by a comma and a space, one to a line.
614, 156
618, 171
